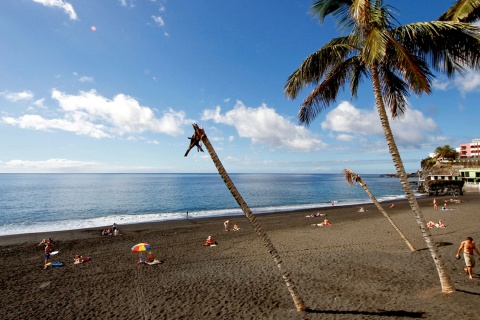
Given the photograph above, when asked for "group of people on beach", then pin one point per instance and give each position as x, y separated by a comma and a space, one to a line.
113, 231
226, 226
209, 242
445, 203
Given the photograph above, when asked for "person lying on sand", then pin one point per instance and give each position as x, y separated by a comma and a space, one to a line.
318, 214
209, 242
325, 223
456, 200
432, 224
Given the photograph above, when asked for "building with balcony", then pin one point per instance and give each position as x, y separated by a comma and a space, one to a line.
470, 150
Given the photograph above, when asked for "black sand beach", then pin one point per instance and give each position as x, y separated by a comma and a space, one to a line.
359, 268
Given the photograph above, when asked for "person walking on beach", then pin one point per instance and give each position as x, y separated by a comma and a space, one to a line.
435, 207
187, 214
468, 246
226, 224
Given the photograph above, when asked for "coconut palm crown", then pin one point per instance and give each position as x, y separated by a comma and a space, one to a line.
402, 56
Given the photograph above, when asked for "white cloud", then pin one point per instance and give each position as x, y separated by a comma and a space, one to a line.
158, 20
89, 113
17, 96
469, 82
49, 164
85, 79
411, 130
442, 86
65, 6
264, 125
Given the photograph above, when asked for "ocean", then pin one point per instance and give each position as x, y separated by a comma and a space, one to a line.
53, 202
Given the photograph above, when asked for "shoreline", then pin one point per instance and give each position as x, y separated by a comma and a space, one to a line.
358, 268
80, 233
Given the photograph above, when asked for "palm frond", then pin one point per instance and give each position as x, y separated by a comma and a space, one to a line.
356, 74
351, 176
447, 46
394, 91
326, 92
338, 8
316, 65
463, 11
413, 69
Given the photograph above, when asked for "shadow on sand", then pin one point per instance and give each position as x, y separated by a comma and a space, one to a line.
439, 244
395, 313
469, 292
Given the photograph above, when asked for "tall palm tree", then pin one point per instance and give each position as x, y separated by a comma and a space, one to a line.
352, 177
397, 59
198, 137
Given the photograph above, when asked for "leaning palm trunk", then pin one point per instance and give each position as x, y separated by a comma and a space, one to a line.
445, 281
200, 136
351, 176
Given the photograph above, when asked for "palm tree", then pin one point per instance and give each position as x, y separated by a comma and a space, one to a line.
446, 152
200, 136
397, 60
351, 177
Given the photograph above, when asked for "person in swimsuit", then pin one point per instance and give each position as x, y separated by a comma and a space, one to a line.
48, 249
468, 247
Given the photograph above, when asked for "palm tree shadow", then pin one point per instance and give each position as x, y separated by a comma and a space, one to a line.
392, 313
469, 292
439, 244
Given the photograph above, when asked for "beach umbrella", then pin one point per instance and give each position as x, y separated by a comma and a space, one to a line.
141, 247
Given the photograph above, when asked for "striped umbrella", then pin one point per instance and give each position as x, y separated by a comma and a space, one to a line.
141, 247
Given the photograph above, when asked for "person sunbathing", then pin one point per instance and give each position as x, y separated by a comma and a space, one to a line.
440, 224
209, 242
325, 223
78, 259
236, 227
361, 209
150, 258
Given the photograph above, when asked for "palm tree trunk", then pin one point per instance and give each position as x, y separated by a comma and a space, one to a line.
299, 304
445, 281
358, 179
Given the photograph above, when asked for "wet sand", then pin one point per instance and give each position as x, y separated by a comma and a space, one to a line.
359, 268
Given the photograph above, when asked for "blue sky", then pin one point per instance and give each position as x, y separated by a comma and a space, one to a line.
115, 85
